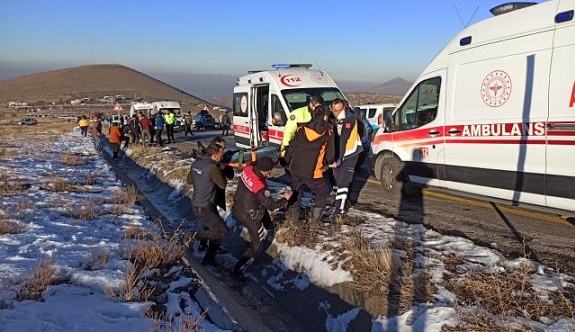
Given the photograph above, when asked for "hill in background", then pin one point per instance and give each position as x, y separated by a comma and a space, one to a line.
93, 81
96, 81
396, 86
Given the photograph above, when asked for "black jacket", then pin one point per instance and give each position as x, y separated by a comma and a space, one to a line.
205, 176
253, 197
311, 150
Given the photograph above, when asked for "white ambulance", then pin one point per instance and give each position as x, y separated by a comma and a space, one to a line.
174, 106
143, 107
493, 114
263, 100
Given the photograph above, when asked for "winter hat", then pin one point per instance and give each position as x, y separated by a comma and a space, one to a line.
265, 164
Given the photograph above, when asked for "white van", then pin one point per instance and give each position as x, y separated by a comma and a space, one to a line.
376, 113
263, 100
493, 114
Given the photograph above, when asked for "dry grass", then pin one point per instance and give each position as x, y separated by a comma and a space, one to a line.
381, 274
371, 267
298, 234
185, 323
72, 159
58, 184
11, 227
9, 189
146, 254
91, 178
84, 211
97, 260
510, 294
36, 285
124, 199
134, 232
127, 196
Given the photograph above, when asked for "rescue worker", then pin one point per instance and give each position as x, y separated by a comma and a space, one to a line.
313, 144
205, 176
251, 202
170, 121
348, 148
296, 118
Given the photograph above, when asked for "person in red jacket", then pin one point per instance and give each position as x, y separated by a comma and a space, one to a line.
145, 129
114, 138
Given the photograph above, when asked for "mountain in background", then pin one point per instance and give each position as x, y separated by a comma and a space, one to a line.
93, 81
396, 86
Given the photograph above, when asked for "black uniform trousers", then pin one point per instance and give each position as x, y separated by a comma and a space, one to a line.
343, 177
216, 228
319, 187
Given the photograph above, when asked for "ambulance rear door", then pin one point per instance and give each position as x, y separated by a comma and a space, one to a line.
241, 121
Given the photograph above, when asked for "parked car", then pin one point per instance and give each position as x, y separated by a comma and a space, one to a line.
205, 120
27, 122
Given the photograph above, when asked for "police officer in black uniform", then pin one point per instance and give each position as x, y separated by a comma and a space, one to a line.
205, 175
251, 203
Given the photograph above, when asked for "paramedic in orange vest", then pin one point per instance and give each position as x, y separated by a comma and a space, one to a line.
348, 148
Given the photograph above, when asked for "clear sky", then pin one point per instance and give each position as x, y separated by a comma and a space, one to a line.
351, 40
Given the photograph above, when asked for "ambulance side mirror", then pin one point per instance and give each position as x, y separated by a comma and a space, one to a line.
388, 125
277, 119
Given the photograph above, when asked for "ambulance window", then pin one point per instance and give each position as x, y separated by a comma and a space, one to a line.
279, 117
420, 107
239, 109
372, 112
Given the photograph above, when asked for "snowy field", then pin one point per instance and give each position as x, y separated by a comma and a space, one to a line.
68, 228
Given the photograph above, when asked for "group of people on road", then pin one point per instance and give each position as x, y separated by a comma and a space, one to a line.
148, 130
316, 142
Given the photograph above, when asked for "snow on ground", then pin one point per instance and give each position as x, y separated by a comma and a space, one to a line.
58, 229
81, 303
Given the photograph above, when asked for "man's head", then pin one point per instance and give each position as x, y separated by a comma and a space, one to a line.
337, 106
315, 101
220, 141
215, 152
265, 164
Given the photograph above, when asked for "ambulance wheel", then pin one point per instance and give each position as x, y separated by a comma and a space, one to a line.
391, 174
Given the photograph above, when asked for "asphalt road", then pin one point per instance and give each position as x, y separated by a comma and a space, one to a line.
516, 232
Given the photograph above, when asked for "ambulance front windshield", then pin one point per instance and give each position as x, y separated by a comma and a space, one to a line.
297, 98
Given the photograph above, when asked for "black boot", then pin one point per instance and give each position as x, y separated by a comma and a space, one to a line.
316, 215
210, 257
292, 214
241, 265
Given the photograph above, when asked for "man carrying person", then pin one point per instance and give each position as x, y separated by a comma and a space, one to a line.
205, 175
348, 148
252, 200
298, 117
308, 155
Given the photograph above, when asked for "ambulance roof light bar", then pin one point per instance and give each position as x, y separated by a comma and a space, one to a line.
291, 65
509, 7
